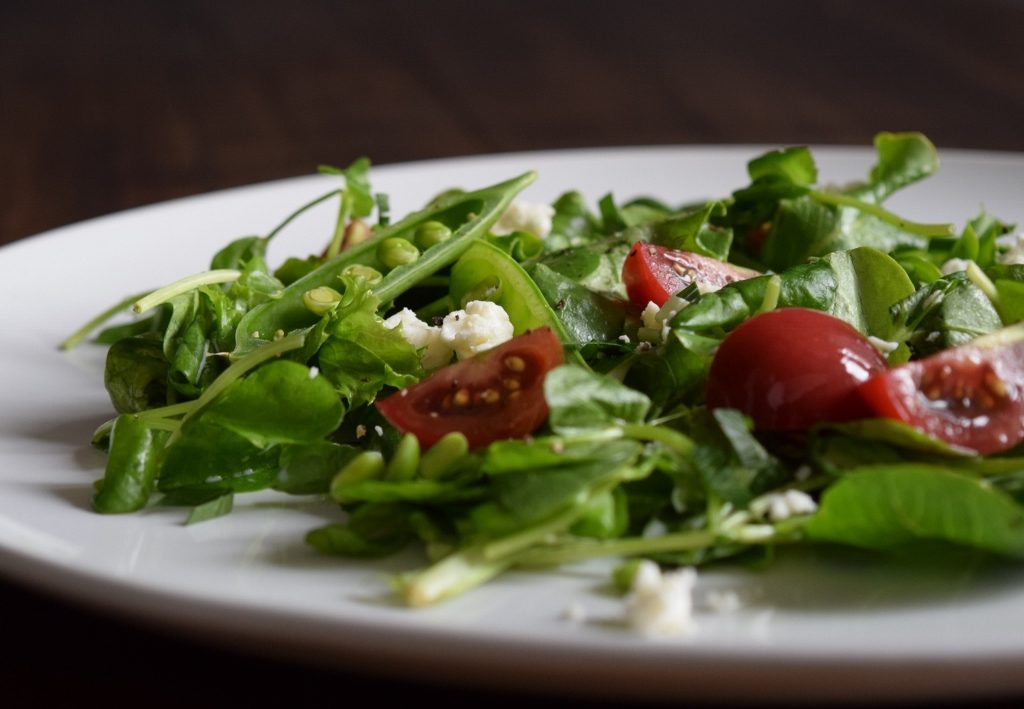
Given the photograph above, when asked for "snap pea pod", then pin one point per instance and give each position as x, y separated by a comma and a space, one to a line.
469, 214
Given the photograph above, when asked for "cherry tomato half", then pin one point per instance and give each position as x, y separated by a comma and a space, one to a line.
971, 396
791, 368
496, 395
653, 273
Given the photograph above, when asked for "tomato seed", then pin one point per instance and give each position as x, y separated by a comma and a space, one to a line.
515, 364
461, 398
511, 384
995, 385
490, 396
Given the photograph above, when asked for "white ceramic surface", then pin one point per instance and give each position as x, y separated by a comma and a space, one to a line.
810, 626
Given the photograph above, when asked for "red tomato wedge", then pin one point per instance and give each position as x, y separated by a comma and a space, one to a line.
971, 396
653, 273
791, 368
496, 395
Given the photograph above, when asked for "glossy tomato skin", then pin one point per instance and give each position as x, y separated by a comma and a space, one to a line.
791, 368
496, 395
652, 273
970, 396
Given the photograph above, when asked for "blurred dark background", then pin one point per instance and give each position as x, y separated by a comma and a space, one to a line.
108, 105
112, 104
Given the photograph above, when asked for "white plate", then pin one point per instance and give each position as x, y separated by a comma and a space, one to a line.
809, 626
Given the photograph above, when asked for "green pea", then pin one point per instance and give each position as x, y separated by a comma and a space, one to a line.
365, 466
396, 251
405, 461
624, 573
321, 300
368, 273
431, 233
440, 457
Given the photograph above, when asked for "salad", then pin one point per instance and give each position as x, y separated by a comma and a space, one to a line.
514, 385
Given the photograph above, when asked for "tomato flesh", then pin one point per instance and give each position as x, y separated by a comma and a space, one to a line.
970, 396
791, 368
652, 273
496, 395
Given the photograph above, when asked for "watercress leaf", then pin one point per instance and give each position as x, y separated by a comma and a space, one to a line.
580, 400
240, 251
868, 283
885, 506
732, 462
533, 495
677, 373
372, 531
597, 267
801, 228
307, 469
295, 268
132, 466
903, 158
572, 224
586, 315
538, 453
135, 374
958, 314
280, 402
606, 516
810, 285
206, 455
693, 231
357, 187
211, 509
794, 165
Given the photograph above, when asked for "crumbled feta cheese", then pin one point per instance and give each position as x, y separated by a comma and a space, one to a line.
650, 315
1015, 252
883, 346
624, 338
661, 604
481, 326
436, 352
379, 430
525, 216
313, 371
360, 431
778, 506
954, 265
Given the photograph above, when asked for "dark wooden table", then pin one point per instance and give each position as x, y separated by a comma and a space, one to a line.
109, 105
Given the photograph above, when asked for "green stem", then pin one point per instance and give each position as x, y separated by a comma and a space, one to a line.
630, 546
673, 439
291, 217
506, 546
451, 576
344, 211
919, 228
165, 412
81, 333
206, 278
